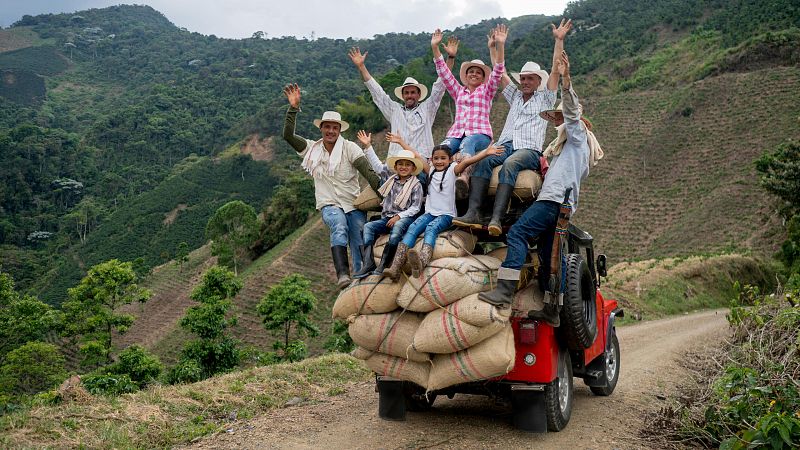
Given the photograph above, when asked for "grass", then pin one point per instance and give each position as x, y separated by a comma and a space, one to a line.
164, 416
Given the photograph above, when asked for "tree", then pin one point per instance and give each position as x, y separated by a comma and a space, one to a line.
232, 229
22, 318
182, 255
91, 309
288, 304
288, 209
32, 368
214, 351
780, 174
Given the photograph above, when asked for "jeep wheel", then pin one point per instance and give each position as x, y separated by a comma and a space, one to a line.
579, 314
558, 394
611, 367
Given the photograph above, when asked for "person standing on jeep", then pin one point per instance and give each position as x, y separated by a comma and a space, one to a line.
414, 118
335, 164
573, 150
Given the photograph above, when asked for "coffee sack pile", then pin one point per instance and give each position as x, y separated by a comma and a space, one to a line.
431, 330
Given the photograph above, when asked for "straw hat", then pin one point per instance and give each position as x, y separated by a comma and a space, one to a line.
557, 116
423, 91
408, 156
332, 116
462, 74
531, 68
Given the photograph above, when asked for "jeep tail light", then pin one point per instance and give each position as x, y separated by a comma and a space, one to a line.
527, 332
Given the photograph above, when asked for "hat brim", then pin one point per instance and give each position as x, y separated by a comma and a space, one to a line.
557, 116
462, 74
542, 74
393, 159
423, 91
318, 123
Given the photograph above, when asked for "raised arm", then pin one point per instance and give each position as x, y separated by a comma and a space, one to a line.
358, 60
366, 144
436, 39
500, 36
397, 139
490, 42
292, 92
451, 48
559, 34
466, 162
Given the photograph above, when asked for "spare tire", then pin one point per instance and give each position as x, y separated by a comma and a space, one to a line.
579, 314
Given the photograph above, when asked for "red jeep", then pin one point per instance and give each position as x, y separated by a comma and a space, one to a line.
540, 385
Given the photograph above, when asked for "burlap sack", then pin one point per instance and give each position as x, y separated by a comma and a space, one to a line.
392, 366
371, 295
391, 333
531, 298
446, 280
526, 274
449, 330
367, 200
528, 184
450, 244
491, 358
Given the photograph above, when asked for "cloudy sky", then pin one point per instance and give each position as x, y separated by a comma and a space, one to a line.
326, 18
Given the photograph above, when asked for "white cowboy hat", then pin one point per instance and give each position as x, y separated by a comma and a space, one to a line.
423, 91
332, 116
529, 68
408, 156
462, 74
557, 115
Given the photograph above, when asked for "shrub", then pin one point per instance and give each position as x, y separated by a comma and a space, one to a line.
186, 371
140, 365
31, 368
109, 384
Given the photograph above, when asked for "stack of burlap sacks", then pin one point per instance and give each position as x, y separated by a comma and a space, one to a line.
433, 330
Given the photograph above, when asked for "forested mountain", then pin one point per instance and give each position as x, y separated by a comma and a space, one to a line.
114, 122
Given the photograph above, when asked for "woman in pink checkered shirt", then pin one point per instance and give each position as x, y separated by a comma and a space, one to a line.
471, 132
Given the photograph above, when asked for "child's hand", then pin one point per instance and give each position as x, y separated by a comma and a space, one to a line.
495, 150
392, 221
391, 137
364, 138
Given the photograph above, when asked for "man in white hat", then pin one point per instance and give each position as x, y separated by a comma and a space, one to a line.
413, 119
522, 136
573, 152
335, 164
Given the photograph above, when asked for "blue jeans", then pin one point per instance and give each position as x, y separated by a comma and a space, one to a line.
430, 225
467, 145
513, 162
539, 220
345, 228
378, 227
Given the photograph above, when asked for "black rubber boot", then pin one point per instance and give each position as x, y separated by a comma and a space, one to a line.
479, 188
503, 294
550, 314
342, 265
367, 262
501, 199
386, 259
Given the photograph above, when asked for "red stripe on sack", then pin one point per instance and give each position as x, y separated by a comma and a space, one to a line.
381, 327
389, 341
460, 331
437, 296
472, 365
459, 366
448, 334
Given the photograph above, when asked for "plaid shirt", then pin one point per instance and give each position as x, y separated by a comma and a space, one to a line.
472, 108
524, 127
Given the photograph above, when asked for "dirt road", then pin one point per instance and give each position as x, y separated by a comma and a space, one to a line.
649, 368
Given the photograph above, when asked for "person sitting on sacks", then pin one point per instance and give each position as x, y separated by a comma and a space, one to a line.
573, 151
440, 208
335, 163
471, 131
522, 136
402, 200
413, 119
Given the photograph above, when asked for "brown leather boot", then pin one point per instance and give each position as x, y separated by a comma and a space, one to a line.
419, 261
400, 256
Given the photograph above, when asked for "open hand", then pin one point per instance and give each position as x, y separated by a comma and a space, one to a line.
436, 38
451, 47
490, 39
560, 32
396, 138
500, 34
356, 56
495, 150
364, 137
563, 64
292, 92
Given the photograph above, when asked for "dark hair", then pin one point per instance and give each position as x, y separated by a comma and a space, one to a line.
430, 175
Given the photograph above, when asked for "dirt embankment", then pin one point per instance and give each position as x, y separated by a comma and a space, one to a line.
650, 368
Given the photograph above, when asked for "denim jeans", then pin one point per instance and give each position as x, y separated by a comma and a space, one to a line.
513, 162
430, 225
467, 145
378, 227
345, 228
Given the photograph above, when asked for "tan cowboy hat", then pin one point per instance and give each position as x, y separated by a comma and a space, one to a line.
332, 116
462, 74
531, 68
557, 115
423, 91
408, 156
